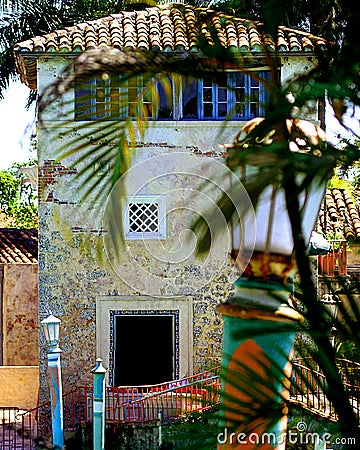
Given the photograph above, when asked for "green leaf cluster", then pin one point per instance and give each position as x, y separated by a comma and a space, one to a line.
18, 200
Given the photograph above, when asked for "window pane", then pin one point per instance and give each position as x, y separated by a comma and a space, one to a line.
208, 110
166, 100
133, 82
254, 96
190, 99
114, 99
100, 110
240, 110
222, 95
222, 109
100, 95
254, 109
208, 96
102, 83
132, 97
240, 95
207, 82
83, 101
239, 80
254, 82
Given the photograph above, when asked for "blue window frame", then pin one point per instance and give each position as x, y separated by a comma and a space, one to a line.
237, 96
117, 97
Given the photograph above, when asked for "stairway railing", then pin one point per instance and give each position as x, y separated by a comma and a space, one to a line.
140, 404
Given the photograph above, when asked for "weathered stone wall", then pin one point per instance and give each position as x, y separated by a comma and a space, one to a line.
353, 254
79, 263
20, 315
75, 270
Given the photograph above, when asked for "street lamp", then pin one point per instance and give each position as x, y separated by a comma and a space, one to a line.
259, 323
51, 328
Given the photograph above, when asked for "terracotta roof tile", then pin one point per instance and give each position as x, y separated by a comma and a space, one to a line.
339, 215
170, 27
116, 38
18, 246
231, 33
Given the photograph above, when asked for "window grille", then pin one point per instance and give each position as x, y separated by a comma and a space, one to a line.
145, 217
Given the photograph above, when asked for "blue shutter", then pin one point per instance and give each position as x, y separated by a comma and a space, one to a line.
83, 101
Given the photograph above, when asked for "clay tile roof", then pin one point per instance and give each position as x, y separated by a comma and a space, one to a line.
18, 246
231, 33
169, 27
116, 38
339, 215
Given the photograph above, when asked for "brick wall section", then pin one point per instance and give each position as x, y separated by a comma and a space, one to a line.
48, 175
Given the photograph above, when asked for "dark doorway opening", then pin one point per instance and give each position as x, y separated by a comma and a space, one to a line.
144, 349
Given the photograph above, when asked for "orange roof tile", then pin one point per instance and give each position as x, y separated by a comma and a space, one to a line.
171, 27
339, 215
18, 246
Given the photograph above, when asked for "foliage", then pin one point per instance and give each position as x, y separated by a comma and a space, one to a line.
337, 75
21, 20
196, 430
18, 198
9, 192
337, 182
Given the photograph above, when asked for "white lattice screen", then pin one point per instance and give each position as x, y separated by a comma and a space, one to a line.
145, 217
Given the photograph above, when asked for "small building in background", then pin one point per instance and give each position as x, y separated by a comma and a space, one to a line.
19, 350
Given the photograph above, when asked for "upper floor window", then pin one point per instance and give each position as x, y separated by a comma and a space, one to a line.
237, 96
116, 97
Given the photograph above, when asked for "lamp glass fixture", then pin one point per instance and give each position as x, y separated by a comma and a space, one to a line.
51, 328
269, 230
272, 222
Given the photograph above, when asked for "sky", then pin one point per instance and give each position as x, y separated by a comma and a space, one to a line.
16, 126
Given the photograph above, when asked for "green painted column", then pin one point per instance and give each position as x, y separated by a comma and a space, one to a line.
259, 330
99, 372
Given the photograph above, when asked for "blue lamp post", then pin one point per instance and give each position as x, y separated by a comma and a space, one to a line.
51, 328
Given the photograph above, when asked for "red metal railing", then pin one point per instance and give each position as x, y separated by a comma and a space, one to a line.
309, 386
165, 400
139, 404
124, 404
335, 261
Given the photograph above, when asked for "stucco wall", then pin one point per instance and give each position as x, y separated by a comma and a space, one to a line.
77, 265
77, 268
19, 386
353, 254
20, 315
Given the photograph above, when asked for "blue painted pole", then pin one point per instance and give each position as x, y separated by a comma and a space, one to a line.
57, 419
99, 372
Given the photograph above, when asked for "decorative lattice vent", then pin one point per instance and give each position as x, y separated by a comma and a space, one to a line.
145, 217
